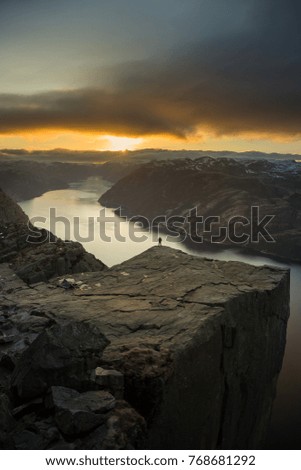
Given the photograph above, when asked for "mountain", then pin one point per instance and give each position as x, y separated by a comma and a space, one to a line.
23, 180
240, 193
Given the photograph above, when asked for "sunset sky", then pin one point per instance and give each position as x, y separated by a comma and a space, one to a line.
117, 74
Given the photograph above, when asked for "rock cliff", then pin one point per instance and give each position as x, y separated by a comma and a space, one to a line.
165, 351
10, 212
36, 255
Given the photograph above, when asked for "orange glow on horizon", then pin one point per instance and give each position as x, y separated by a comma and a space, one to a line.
80, 141
118, 143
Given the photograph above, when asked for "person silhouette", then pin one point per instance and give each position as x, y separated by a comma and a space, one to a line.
160, 241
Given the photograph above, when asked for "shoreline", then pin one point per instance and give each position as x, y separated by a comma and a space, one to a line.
214, 247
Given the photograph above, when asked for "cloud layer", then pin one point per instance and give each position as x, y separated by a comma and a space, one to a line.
233, 83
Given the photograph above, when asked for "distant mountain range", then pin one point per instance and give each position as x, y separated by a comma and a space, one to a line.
146, 185
144, 155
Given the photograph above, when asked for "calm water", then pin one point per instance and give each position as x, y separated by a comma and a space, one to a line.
80, 201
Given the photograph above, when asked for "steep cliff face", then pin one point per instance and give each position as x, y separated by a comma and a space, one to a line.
36, 255
190, 349
10, 212
223, 188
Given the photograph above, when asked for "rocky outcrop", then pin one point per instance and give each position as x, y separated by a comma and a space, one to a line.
61, 355
185, 353
42, 261
218, 188
37, 255
78, 413
10, 212
50, 397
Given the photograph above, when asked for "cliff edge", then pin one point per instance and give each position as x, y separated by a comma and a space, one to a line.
185, 351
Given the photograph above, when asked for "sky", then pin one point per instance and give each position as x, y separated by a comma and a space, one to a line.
116, 74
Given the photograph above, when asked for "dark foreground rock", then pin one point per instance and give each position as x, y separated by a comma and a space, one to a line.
61, 355
78, 413
184, 353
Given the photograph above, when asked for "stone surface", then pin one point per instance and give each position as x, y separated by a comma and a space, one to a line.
6, 418
61, 355
111, 379
7, 422
10, 212
33, 432
124, 429
199, 342
29, 407
97, 401
77, 413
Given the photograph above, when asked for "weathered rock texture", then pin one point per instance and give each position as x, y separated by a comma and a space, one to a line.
37, 255
196, 347
61, 355
10, 212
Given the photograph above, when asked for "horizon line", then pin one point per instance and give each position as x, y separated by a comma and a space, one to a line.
24, 151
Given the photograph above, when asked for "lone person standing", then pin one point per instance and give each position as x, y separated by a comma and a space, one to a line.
160, 241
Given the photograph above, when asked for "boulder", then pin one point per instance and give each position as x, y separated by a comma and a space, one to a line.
77, 413
124, 429
61, 355
36, 434
110, 379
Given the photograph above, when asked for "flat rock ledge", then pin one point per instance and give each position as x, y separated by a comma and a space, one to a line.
164, 351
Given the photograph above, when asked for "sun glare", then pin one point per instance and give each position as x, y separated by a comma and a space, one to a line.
120, 143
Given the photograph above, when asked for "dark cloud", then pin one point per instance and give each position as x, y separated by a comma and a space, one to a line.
89, 110
247, 81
